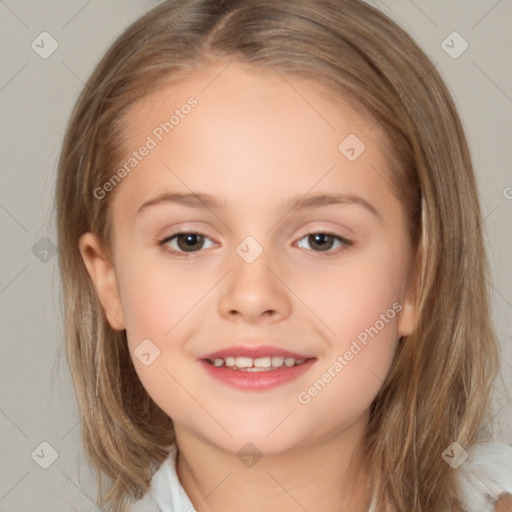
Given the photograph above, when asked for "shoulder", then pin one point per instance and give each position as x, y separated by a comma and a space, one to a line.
486, 477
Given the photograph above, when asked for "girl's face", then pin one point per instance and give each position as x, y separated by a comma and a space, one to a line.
241, 150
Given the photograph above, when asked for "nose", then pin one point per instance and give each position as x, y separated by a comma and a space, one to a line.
254, 292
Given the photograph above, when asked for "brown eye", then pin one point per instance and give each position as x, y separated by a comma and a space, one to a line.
190, 241
186, 242
323, 242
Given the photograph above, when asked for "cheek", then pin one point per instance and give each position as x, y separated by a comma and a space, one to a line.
355, 295
156, 297
358, 358
159, 306
358, 305
155, 305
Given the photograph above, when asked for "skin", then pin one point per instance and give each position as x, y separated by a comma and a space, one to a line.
254, 142
504, 504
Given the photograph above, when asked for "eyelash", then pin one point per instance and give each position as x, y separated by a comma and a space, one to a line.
345, 241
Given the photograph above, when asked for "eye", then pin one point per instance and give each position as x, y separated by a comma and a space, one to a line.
186, 241
322, 241
183, 242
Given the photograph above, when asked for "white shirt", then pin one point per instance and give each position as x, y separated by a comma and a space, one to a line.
484, 476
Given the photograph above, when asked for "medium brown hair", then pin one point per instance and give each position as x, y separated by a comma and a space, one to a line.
438, 388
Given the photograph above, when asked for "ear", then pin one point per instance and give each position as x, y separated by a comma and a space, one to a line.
102, 272
408, 316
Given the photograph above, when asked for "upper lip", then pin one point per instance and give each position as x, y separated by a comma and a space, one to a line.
254, 352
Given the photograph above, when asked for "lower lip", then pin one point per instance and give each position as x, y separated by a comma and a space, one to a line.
259, 380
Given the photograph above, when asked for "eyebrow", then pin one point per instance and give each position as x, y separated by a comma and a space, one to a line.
207, 201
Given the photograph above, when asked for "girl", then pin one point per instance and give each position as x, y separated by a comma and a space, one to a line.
273, 268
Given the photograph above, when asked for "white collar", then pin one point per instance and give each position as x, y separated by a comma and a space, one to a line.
485, 475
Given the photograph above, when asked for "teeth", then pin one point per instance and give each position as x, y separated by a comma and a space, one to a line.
263, 362
277, 361
250, 364
243, 362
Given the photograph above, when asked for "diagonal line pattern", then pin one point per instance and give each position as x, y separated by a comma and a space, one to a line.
84, 493
198, 402
217, 486
280, 423
424, 13
286, 491
81, 81
13, 217
14, 423
493, 287
216, 76
76, 14
14, 76
382, 176
496, 415
492, 81
83, 417
486, 14
87, 87
14, 485
13, 13
13, 279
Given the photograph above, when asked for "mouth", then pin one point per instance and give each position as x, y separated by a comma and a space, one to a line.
255, 368
261, 364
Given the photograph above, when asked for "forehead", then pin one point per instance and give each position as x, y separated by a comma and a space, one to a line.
250, 128
233, 86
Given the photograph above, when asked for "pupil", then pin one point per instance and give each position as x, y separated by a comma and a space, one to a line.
194, 241
319, 240
191, 241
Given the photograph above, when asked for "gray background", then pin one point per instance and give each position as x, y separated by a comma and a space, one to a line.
36, 97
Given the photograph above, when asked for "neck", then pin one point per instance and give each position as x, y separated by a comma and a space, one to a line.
317, 476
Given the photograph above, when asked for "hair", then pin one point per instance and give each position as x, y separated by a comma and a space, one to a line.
439, 384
